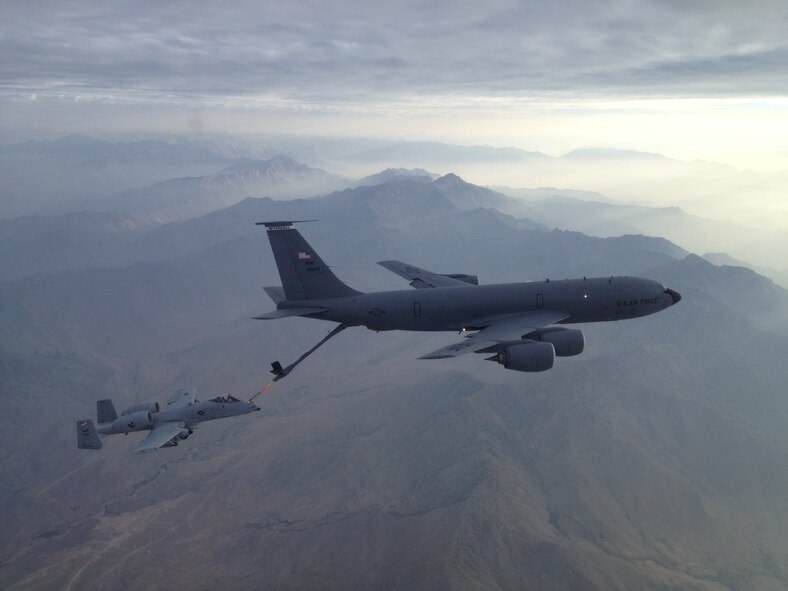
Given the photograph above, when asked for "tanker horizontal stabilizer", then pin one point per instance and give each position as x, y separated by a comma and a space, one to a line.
288, 312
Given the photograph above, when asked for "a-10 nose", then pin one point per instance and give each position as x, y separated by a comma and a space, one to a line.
674, 295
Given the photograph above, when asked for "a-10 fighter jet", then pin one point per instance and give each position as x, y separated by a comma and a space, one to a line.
167, 426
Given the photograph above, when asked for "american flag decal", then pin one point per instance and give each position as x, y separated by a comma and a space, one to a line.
302, 256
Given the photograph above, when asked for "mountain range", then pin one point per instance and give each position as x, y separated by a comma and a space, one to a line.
280, 177
722, 209
386, 448
409, 211
656, 460
600, 217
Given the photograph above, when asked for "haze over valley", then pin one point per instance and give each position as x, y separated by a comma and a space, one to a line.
157, 181
657, 459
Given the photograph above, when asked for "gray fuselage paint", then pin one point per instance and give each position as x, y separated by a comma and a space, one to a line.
456, 308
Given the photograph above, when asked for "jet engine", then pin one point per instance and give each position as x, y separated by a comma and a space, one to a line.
528, 356
566, 341
137, 421
151, 407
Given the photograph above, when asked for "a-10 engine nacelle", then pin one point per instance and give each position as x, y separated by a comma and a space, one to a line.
566, 341
151, 407
528, 356
136, 421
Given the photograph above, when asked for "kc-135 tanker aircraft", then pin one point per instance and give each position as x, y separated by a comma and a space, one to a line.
513, 322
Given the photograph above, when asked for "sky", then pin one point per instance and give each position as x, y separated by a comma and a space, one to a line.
689, 79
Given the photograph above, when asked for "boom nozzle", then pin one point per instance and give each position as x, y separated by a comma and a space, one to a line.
277, 369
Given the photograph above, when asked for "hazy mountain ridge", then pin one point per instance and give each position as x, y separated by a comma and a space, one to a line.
544, 193
41, 244
703, 189
40, 175
442, 152
562, 210
177, 199
391, 174
446, 209
658, 459
591, 475
735, 284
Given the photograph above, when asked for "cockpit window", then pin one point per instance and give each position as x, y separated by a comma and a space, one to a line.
225, 399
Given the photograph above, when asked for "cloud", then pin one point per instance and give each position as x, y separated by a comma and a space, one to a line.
547, 76
355, 51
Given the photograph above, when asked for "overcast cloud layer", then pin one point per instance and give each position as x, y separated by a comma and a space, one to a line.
693, 80
359, 51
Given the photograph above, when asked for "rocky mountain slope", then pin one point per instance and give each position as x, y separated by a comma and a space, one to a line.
656, 460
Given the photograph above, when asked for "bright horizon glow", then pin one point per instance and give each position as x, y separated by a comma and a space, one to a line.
725, 158
700, 81
747, 133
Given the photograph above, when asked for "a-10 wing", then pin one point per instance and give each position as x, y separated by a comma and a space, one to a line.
160, 435
499, 333
421, 278
182, 398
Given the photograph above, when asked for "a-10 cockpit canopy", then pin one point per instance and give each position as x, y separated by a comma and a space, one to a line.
227, 398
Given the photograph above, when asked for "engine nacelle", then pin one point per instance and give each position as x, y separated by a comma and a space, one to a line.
151, 407
566, 341
137, 421
528, 356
